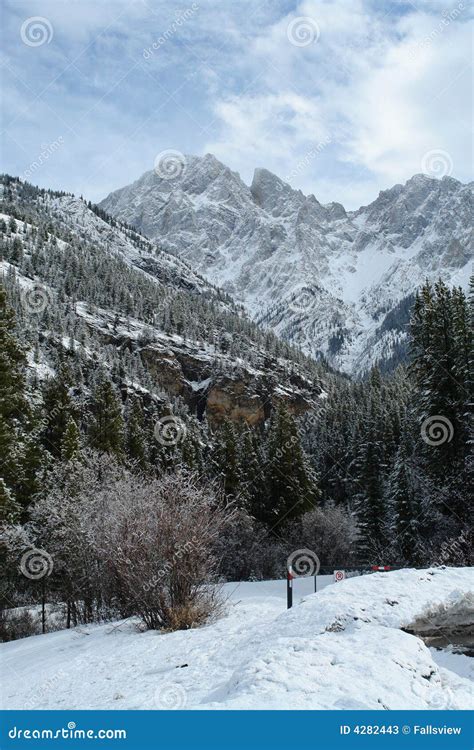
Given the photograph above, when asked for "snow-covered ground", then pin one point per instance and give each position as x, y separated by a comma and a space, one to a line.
342, 648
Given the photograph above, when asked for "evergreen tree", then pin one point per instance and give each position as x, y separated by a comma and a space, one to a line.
13, 401
291, 483
441, 349
253, 480
71, 441
405, 505
34, 462
227, 458
15, 414
106, 433
58, 409
369, 501
135, 434
191, 450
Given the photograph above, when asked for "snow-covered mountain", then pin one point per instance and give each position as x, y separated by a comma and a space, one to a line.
334, 282
84, 283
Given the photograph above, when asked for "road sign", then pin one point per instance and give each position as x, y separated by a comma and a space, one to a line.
339, 575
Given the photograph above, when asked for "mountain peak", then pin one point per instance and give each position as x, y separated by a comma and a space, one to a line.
265, 243
270, 192
420, 179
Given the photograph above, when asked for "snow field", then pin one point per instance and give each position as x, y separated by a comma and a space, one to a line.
342, 648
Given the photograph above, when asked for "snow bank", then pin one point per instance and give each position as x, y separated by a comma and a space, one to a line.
342, 648
394, 599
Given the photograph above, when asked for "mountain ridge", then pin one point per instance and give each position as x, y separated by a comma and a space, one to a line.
321, 277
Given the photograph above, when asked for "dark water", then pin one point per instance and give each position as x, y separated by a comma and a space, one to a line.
459, 644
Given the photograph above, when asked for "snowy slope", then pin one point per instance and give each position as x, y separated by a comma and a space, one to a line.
340, 648
319, 276
74, 215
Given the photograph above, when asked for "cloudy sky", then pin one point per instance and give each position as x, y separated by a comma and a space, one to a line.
341, 99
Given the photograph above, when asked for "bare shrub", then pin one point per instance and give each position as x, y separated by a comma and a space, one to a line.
64, 524
247, 551
329, 531
121, 544
157, 541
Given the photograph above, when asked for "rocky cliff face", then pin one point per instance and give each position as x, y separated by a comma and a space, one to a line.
319, 276
210, 383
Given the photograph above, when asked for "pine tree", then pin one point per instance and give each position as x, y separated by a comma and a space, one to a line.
191, 450
70, 441
291, 483
34, 462
13, 401
369, 500
227, 458
135, 434
253, 481
404, 500
441, 345
16, 254
106, 433
15, 413
58, 409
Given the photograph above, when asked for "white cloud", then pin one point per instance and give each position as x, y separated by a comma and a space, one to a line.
383, 83
386, 88
418, 99
267, 130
